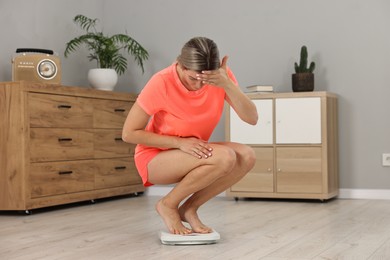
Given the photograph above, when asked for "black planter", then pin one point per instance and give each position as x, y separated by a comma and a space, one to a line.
302, 82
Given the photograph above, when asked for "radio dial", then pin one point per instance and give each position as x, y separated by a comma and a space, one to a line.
47, 69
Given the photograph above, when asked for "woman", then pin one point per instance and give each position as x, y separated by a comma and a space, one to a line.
172, 120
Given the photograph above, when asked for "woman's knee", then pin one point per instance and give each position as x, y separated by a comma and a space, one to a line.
224, 157
248, 157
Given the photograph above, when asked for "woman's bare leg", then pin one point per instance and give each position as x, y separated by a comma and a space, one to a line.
244, 163
191, 175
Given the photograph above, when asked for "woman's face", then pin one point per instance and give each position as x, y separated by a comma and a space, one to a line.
190, 80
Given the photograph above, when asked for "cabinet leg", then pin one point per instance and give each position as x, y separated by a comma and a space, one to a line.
236, 198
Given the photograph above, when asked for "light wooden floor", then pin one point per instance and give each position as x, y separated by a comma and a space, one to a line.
127, 228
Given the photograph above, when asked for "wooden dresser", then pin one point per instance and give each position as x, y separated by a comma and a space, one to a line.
62, 144
296, 146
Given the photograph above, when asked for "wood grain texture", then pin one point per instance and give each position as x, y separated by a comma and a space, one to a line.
58, 145
261, 177
12, 148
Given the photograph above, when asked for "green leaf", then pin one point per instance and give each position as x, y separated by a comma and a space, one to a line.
107, 51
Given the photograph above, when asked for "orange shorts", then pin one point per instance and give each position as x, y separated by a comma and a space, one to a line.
142, 160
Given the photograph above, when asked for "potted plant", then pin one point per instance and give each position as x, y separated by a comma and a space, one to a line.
107, 51
303, 79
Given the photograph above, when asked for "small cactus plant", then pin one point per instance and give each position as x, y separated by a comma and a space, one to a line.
302, 67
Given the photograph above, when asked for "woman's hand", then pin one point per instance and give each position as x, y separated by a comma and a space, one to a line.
217, 77
195, 147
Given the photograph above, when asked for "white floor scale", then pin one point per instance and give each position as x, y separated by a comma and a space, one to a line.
190, 239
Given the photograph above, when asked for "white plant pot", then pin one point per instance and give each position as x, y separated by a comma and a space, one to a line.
103, 79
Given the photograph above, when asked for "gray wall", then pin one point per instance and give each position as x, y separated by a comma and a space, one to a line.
349, 40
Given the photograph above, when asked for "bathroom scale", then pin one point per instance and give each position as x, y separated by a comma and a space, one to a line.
190, 239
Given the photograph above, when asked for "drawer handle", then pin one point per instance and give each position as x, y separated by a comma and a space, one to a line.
118, 139
64, 106
64, 139
120, 167
65, 172
119, 110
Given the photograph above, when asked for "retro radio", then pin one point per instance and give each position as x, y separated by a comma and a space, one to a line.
37, 65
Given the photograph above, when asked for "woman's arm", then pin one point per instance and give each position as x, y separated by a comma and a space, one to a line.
134, 132
240, 102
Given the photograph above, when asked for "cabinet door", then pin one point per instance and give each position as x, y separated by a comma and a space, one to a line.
298, 169
298, 120
261, 133
260, 178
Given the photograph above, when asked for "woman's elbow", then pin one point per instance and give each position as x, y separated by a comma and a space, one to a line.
253, 120
126, 137
253, 116
250, 119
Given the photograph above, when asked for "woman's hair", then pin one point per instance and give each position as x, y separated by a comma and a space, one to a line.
199, 53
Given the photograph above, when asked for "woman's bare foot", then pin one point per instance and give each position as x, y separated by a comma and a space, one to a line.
171, 219
190, 216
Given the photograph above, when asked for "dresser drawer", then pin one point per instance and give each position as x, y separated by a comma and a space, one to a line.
109, 144
57, 144
59, 111
61, 177
116, 173
110, 113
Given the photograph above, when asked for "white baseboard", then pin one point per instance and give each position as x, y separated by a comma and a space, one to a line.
158, 190
374, 194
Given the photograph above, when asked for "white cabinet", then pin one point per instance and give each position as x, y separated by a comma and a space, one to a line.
262, 133
298, 120
296, 146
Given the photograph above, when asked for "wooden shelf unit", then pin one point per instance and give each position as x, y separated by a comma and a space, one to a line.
296, 146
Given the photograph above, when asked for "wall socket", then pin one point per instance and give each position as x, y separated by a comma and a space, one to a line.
386, 159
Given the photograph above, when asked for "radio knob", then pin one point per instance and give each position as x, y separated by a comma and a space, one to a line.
47, 69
